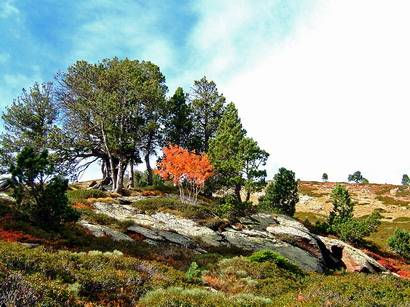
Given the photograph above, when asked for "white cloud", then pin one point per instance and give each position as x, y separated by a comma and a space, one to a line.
7, 9
123, 31
336, 96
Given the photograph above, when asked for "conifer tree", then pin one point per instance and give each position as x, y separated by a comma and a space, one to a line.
236, 158
207, 109
281, 195
178, 122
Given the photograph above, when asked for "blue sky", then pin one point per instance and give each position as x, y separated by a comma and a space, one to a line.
186, 39
323, 85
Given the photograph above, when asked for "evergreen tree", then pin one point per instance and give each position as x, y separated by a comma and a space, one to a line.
356, 177
178, 121
236, 158
29, 121
342, 205
207, 107
405, 180
254, 158
281, 194
40, 193
325, 177
224, 150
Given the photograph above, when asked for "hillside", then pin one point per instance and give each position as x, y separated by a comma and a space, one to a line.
146, 248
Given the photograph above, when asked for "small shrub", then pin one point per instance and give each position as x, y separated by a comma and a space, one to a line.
230, 207
354, 230
400, 243
43, 200
194, 272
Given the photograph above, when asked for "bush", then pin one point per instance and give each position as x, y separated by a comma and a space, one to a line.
43, 201
354, 230
281, 195
230, 207
194, 272
400, 243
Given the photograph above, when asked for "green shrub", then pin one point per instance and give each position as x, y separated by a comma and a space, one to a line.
342, 205
43, 201
281, 195
229, 207
272, 256
354, 230
400, 242
194, 272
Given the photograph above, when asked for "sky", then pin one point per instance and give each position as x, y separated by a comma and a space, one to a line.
322, 85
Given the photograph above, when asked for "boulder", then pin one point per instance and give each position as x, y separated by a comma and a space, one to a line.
353, 259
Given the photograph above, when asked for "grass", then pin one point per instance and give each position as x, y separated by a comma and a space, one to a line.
172, 205
310, 190
391, 201
386, 230
81, 196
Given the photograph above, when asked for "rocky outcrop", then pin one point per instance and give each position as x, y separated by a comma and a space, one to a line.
353, 259
104, 231
276, 232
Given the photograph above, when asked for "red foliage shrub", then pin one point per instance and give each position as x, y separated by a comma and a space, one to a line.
187, 170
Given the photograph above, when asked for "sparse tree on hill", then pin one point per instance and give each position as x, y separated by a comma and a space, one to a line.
207, 107
357, 177
405, 180
325, 177
281, 194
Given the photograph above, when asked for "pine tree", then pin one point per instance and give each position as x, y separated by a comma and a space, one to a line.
281, 195
342, 205
237, 159
29, 121
178, 121
224, 150
405, 180
207, 107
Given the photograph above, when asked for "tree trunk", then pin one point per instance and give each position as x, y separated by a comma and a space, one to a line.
120, 177
149, 169
131, 182
248, 195
113, 175
238, 192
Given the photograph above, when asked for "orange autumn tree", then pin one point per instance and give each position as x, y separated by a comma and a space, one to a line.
187, 170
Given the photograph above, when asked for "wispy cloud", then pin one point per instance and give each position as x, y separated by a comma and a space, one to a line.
8, 9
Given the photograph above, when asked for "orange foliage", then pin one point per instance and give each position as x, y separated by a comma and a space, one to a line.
15, 236
187, 170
